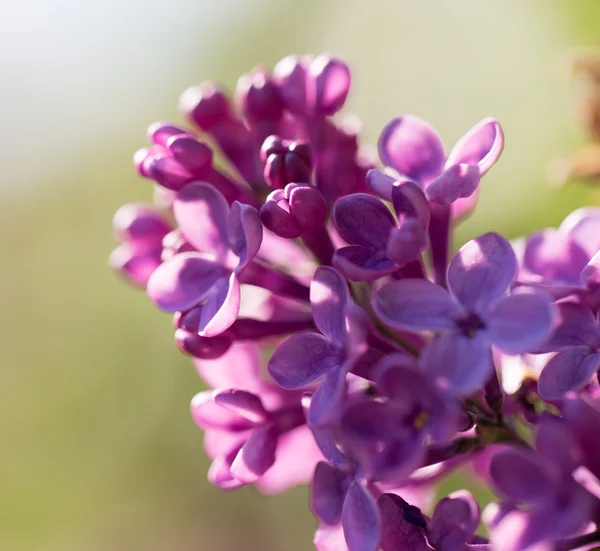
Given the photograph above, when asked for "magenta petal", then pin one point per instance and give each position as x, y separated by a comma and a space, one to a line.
412, 147
359, 263
482, 271
590, 276
361, 519
454, 522
520, 322
481, 146
279, 221
220, 475
570, 370
330, 538
461, 365
183, 281
327, 85
245, 232
555, 256
461, 208
206, 413
134, 265
363, 220
328, 398
201, 212
583, 226
327, 493
329, 298
307, 205
402, 527
302, 359
456, 182
416, 305
523, 476
242, 402
221, 308
257, 454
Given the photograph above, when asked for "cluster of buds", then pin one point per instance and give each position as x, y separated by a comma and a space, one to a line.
342, 343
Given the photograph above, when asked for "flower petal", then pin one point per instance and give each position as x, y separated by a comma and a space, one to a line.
361, 519
207, 414
257, 454
328, 398
590, 275
456, 182
407, 242
409, 201
402, 525
201, 212
575, 326
458, 364
570, 370
359, 263
184, 281
554, 256
242, 402
481, 146
327, 85
329, 298
454, 522
583, 225
521, 321
245, 232
363, 220
302, 359
415, 304
523, 476
221, 308
327, 492
380, 183
412, 147
482, 271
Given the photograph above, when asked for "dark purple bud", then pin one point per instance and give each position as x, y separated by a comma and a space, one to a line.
160, 132
142, 160
327, 85
140, 224
290, 77
307, 205
192, 154
279, 220
285, 161
134, 265
258, 96
206, 105
167, 172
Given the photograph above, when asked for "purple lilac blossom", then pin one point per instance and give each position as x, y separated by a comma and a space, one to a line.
474, 315
304, 254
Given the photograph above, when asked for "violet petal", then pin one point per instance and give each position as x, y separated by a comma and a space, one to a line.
416, 305
183, 281
327, 399
482, 271
359, 263
242, 402
461, 365
221, 308
363, 220
329, 298
245, 232
202, 212
302, 359
327, 492
412, 147
257, 454
570, 370
481, 146
520, 322
454, 522
361, 519
397, 530
456, 182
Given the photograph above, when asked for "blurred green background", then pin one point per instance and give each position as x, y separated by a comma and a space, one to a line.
98, 451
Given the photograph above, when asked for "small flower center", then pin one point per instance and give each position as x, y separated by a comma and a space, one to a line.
421, 420
469, 324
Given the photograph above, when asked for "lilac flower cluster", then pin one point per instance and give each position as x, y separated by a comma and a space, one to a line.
344, 346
